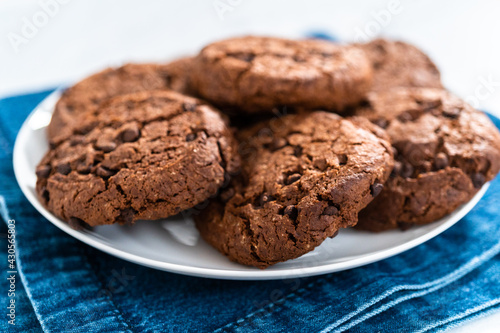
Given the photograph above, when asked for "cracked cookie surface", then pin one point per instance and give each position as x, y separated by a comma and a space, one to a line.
445, 151
146, 155
256, 74
88, 94
398, 64
303, 178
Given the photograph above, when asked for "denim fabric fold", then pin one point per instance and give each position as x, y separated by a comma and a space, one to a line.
75, 288
472, 295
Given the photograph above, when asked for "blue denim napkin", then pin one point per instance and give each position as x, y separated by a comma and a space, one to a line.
64, 285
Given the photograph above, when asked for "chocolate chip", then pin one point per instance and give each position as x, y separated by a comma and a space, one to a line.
326, 55
105, 146
478, 179
452, 113
76, 140
98, 157
278, 143
247, 57
365, 104
429, 105
130, 105
403, 226
104, 172
293, 178
405, 117
83, 168
78, 224
300, 58
376, 188
190, 137
342, 159
227, 176
85, 129
292, 212
320, 163
43, 171
331, 210
130, 134
407, 170
436, 112
63, 168
335, 234
227, 195
46, 195
297, 151
189, 107
441, 161
381, 123
126, 216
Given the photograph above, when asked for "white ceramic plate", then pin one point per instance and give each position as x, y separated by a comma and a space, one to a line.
174, 244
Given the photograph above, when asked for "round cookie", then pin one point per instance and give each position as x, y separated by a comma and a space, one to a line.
398, 64
303, 178
86, 95
147, 155
256, 74
444, 150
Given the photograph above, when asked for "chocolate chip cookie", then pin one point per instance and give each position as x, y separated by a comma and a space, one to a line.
255, 74
398, 64
303, 178
86, 95
146, 155
445, 150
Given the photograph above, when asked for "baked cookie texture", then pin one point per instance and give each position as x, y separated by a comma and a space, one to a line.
398, 64
255, 74
87, 95
445, 151
303, 178
146, 155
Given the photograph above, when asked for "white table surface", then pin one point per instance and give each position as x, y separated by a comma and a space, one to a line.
75, 38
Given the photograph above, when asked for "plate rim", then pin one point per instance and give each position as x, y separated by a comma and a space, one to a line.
251, 274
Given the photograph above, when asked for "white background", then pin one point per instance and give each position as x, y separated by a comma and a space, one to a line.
79, 37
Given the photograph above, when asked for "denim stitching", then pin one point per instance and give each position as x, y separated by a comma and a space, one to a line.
272, 305
434, 285
487, 308
110, 300
421, 290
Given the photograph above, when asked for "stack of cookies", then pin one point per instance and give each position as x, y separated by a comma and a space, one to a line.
282, 142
